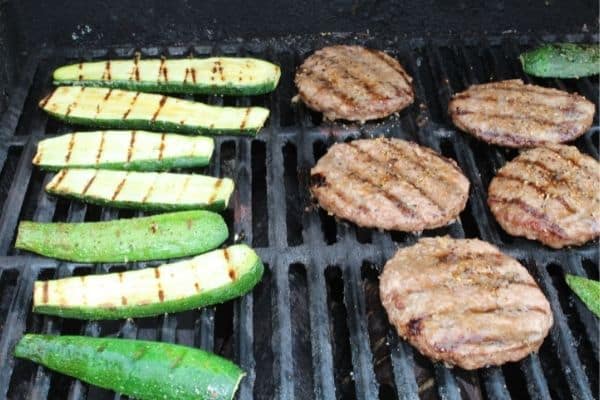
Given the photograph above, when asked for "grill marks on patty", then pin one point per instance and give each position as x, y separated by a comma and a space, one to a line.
464, 302
353, 83
511, 113
550, 194
389, 184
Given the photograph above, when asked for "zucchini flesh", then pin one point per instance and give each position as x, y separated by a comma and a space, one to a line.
216, 75
208, 279
587, 290
156, 237
121, 109
562, 60
156, 191
141, 369
126, 150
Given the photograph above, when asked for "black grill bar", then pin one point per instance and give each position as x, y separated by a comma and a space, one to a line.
348, 354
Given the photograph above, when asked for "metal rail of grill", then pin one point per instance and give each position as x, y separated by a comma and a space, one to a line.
314, 327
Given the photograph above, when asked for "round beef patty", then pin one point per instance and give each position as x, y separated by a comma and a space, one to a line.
389, 184
550, 194
510, 113
463, 302
353, 83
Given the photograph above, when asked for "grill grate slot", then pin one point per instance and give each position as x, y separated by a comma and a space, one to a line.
314, 327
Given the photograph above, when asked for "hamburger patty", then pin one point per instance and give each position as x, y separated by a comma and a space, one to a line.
463, 302
510, 113
353, 83
389, 184
550, 194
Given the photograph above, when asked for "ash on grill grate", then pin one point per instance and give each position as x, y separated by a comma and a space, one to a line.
314, 327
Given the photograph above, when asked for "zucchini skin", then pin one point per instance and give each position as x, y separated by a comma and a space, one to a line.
165, 164
159, 87
141, 369
117, 310
137, 239
562, 60
588, 290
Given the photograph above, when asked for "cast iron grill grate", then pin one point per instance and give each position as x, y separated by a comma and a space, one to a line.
314, 327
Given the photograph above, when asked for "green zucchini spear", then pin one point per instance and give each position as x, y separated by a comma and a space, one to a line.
142, 190
157, 237
208, 279
141, 369
216, 75
587, 290
120, 109
126, 150
562, 60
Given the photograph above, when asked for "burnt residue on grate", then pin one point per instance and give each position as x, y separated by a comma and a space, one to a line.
314, 327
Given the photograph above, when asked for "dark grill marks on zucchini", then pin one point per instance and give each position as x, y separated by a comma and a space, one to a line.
137, 94
162, 70
130, 149
74, 102
119, 187
161, 103
100, 148
150, 190
161, 147
106, 75
59, 178
245, 119
87, 185
69, 149
186, 184
161, 293
136, 69
389, 184
80, 73
554, 196
45, 293
215, 190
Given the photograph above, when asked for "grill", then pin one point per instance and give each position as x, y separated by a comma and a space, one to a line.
314, 327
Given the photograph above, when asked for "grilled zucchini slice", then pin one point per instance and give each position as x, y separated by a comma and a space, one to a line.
121, 109
153, 191
215, 75
126, 150
207, 279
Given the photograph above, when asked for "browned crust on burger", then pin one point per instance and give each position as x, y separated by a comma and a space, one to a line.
510, 113
550, 194
465, 303
353, 83
389, 184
